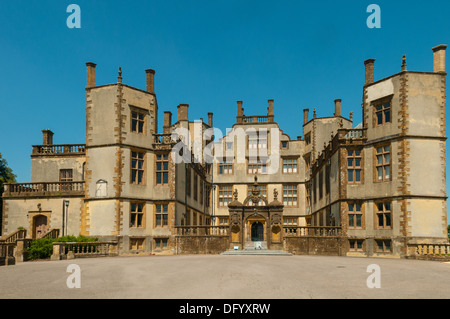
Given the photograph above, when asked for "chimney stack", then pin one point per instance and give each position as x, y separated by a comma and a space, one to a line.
183, 112
337, 107
150, 80
240, 112
210, 119
305, 116
369, 70
90, 74
439, 58
270, 108
47, 137
167, 121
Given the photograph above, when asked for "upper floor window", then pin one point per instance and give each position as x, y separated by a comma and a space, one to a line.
290, 195
162, 169
383, 112
161, 215
383, 163
136, 215
225, 195
354, 215
137, 167
257, 140
384, 214
226, 167
354, 158
137, 122
290, 165
257, 166
308, 138
65, 175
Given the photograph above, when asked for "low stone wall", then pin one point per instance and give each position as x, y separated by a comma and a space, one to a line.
328, 246
202, 244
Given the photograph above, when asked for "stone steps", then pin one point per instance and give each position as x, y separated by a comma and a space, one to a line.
257, 252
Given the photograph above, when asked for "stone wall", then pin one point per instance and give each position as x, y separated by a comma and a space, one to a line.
330, 246
202, 244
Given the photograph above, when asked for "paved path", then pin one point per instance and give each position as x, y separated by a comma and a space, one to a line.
227, 277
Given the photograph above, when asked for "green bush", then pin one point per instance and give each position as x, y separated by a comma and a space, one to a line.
43, 248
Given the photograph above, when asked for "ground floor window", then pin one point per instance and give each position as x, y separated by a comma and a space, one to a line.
136, 243
161, 243
356, 244
383, 245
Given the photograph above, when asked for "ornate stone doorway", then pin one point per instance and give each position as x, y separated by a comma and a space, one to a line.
256, 220
257, 231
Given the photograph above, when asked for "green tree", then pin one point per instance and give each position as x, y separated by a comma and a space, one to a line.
6, 176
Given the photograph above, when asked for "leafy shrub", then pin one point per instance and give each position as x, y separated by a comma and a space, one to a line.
43, 248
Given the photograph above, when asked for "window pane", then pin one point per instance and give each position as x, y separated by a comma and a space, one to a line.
358, 220
388, 172
379, 118
387, 206
350, 162
357, 162
166, 178
387, 158
350, 207
380, 220
351, 220
358, 175
350, 175
350, 153
388, 219
158, 220
387, 116
380, 173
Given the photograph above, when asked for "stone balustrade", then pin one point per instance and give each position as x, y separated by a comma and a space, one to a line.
70, 250
312, 231
59, 149
429, 251
202, 230
43, 189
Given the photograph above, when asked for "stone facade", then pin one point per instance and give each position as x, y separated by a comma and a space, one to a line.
373, 189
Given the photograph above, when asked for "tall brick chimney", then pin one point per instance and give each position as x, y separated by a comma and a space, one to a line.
337, 107
150, 80
210, 119
270, 110
369, 70
90, 74
47, 137
183, 112
240, 112
305, 115
167, 121
439, 58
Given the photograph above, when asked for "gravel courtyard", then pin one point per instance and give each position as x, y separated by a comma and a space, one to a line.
227, 277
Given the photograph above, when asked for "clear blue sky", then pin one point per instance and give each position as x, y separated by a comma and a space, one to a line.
209, 54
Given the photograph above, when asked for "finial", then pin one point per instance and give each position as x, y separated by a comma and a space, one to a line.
275, 194
351, 116
235, 193
314, 112
120, 75
404, 63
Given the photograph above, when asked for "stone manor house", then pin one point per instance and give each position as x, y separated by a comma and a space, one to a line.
373, 189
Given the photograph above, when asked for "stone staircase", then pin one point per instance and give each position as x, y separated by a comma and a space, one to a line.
256, 248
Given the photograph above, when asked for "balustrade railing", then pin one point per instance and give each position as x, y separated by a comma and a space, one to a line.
7, 249
63, 250
202, 230
59, 149
352, 134
312, 231
43, 188
18, 234
163, 138
430, 250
